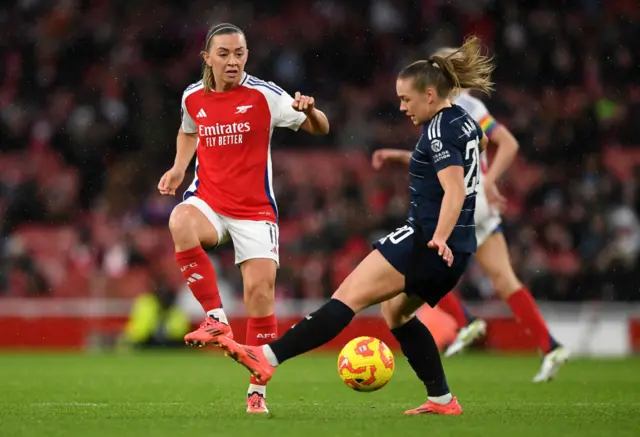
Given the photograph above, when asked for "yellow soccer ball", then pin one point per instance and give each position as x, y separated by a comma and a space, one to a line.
365, 364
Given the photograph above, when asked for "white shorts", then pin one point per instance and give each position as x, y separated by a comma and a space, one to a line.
251, 239
487, 219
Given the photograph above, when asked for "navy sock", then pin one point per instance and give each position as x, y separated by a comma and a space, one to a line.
420, 349
313, 331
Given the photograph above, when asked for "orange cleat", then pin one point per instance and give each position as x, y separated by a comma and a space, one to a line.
256, 404
209, 332
453, 408
250, 357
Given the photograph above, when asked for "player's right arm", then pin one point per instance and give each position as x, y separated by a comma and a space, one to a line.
381, 156
186, 144
449, 166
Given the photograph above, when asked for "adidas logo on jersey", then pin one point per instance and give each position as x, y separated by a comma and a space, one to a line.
201, 114
243, 109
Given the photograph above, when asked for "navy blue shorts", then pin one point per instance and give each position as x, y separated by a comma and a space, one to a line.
426, 273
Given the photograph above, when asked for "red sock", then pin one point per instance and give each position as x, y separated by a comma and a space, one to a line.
260, 331
451, 305
525, 309
200, 275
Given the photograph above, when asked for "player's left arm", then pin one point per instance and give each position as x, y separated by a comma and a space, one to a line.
507, 149
317, 122
300, 112
507, 146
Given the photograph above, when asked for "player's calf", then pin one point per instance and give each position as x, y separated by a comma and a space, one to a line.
421, 351
418, 346
190, 228
260, 331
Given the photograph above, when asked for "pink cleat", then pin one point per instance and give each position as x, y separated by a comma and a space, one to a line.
250, 357
256, 404
453, 408
209, 332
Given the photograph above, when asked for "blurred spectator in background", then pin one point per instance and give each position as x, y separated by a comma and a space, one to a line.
155, 319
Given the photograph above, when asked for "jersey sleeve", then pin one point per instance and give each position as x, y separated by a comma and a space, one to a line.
285, 115
482, 116
188, 125
442, 149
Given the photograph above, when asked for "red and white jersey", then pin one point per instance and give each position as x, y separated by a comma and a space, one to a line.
233, 164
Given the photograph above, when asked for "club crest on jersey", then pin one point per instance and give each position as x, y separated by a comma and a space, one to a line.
243, 109
436, 145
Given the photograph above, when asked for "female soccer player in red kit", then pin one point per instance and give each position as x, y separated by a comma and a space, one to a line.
228, 118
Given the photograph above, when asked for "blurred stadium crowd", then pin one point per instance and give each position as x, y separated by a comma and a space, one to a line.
89, 108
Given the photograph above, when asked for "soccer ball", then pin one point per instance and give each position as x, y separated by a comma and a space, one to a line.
365, 364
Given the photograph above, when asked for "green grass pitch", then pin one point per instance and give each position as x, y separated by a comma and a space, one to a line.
186, 393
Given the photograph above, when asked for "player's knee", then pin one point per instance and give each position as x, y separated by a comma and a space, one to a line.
349, 295
393, 315
259, 295
182, 225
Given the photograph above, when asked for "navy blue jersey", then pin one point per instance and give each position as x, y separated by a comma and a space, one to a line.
451, 137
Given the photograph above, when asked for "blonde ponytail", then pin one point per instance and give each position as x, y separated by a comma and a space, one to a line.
208, 80
463, 67
467, 67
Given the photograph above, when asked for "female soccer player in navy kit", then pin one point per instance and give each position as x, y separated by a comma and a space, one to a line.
492, 255
423, 260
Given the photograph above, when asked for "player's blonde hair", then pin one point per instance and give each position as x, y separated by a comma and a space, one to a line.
208, 80
452, 68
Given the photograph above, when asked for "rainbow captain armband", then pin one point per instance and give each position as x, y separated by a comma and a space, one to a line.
488, 123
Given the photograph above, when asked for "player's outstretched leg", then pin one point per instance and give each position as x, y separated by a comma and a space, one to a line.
189, 229
421, 351
470, 328
493, 257
372, 282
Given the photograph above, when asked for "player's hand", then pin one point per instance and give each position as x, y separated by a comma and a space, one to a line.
170, 181
303, 103
494, 198
379, 157
443, 250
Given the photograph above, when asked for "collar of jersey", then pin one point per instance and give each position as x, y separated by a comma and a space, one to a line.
442, 110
